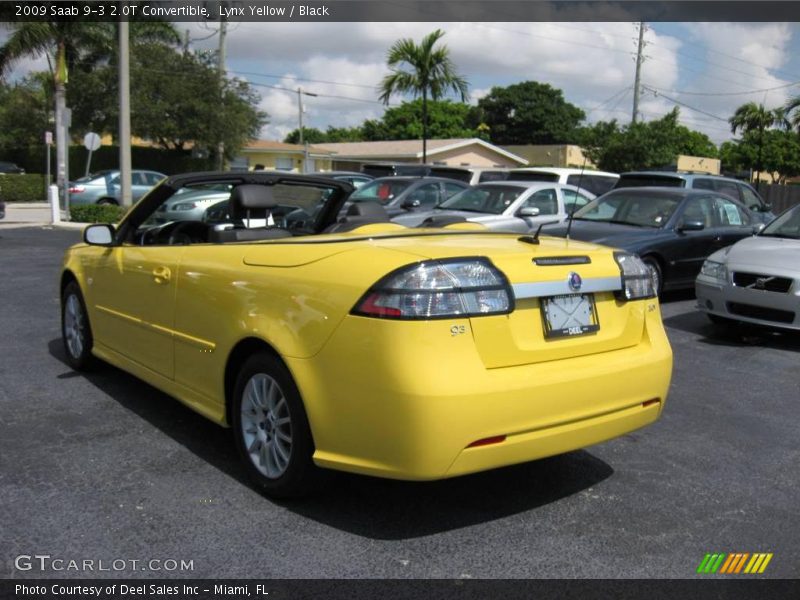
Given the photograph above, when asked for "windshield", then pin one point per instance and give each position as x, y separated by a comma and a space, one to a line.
489, 199
785, 226
646, 180
384, 191
640, 209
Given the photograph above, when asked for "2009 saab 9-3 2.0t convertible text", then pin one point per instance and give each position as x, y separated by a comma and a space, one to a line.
362, 345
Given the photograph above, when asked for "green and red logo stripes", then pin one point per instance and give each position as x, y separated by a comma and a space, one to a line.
736, 563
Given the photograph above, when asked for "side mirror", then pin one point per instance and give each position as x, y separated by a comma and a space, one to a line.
691, 226
757, 227
766, 207
99, 234
410, 203
528, 211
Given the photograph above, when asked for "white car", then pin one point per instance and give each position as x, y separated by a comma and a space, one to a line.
514, 206
596, 182
757, 280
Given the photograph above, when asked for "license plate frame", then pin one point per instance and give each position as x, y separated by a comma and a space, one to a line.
563, 317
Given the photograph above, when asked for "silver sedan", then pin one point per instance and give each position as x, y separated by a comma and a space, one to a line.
515, 206
757, 280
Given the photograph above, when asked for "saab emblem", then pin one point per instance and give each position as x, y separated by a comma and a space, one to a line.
574, 281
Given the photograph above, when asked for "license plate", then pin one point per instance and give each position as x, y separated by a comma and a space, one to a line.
569, 315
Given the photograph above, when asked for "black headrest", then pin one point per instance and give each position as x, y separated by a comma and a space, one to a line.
367, 209
252, 199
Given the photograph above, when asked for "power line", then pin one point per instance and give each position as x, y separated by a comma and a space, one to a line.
339, 83
686, 93
656, 93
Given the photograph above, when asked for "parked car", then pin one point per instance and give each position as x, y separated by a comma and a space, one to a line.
7, 168
104, 187
402, 194
352, 177
465, 174
505, 205
672, 230
192, 204
596, 182
757, 280
383, 350
738, 190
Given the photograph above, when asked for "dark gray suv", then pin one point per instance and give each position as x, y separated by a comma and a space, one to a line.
738, 190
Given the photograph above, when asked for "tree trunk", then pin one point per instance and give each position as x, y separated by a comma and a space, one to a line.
424, 125
62, 177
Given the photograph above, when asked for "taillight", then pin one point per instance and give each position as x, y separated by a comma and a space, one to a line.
637, 280
462, 287
77, 189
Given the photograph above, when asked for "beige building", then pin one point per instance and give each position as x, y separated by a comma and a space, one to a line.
472, 152
279, 156
698, 164
552, 155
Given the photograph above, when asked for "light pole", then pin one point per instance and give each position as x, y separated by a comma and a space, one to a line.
300, 94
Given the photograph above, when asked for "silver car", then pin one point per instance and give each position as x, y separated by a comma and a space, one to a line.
104, 187
756, 280
191, 205
506, 205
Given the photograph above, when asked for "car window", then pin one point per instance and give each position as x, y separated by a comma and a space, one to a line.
138, 178
152, 178
382, 190
647, 180
631, 208
114, 180
489, 199
728, 188
751, 199
728, 213
700, 208
596, 184
787, 225
426, 195
574, 200
451, 189
545, 200
492, 176
703, 184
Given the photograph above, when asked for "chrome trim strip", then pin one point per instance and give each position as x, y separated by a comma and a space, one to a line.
544, 289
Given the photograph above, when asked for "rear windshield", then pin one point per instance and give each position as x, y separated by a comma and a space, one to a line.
650, 181
384, 191
597, 184
389, 170
452, 173
532, 176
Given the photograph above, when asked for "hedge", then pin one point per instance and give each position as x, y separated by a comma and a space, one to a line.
96, 213
23, 188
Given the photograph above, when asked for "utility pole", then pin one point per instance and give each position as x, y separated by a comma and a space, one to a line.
636, 82
126, 198
300, 94
223, 30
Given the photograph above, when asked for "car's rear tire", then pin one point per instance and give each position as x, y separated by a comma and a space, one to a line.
76, 332
655, 272
271, 429
107, 202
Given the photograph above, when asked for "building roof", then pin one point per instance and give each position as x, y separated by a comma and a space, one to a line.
271, 146
409, 148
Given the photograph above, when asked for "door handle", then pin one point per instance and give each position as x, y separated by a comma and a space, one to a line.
161, 274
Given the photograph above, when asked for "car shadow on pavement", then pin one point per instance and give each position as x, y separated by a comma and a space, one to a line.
365, 506
737, 335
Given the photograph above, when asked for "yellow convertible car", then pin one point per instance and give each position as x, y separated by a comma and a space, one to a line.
362, 345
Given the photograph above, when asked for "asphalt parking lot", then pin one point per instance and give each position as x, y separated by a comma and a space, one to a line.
104, 467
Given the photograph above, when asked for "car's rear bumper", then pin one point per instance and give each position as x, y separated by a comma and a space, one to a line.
406, 402
749, 305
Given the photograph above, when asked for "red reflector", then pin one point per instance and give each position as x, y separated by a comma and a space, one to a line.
650, 402
369, 307
487, 441
76, 189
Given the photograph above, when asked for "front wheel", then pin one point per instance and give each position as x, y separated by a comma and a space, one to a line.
271, 428
76, 332
107, 202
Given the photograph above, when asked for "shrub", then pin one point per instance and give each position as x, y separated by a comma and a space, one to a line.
96, 213
23, 188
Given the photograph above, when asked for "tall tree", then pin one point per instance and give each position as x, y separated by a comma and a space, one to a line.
529, 113
752, 117
422, 70
66, 44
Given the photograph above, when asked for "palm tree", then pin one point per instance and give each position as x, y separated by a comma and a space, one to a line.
422, 70
68, 44
755, 117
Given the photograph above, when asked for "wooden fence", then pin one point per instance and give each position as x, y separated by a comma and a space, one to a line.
780, 197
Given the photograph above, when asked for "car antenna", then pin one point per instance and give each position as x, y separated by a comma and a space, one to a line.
580, 178
534, 239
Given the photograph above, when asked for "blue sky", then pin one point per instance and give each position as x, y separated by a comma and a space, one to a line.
710, 67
